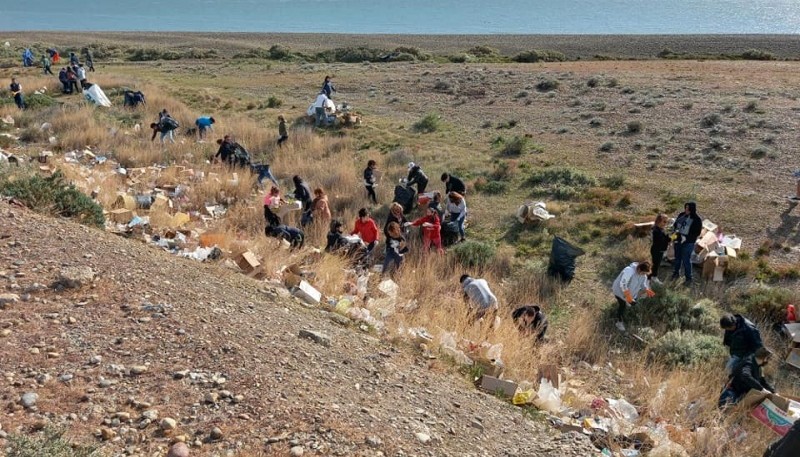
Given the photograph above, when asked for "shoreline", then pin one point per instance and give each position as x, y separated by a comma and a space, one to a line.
572, 46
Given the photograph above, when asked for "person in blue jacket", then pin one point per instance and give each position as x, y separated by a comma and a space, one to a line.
327, 87
203, 124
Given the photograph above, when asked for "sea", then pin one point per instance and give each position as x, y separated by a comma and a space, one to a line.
427, 17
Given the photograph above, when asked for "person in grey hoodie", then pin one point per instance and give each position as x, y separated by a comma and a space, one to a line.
687, 227
630, 283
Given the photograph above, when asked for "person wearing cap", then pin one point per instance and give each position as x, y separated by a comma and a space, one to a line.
418, 177
747, 376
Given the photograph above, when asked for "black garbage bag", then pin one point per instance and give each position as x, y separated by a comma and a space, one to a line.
562, 260
449, 233
788, 446
405, 196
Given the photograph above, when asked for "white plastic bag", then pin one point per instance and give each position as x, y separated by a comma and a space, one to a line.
548, 397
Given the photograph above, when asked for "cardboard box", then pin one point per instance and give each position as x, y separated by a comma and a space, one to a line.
494, 385
121, 216
124, 201
161, 203
247, 261
308, 293
772, 417
793, 332
793, 358
179, 220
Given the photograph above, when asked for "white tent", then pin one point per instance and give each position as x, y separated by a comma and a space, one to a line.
96, 95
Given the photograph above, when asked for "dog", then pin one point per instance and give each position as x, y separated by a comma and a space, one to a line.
294, 236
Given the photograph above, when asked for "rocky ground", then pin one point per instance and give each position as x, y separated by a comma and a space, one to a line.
133, 349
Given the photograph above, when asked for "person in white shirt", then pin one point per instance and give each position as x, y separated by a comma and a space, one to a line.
320, 105
477, 291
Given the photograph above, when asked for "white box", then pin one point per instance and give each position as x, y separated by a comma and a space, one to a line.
308, 293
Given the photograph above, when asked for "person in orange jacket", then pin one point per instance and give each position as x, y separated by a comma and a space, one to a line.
431, 230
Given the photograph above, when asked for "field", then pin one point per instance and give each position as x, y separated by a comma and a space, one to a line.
605, 143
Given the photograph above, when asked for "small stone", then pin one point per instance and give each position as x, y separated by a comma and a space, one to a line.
211, 397
5, 332
7, 299
374, 441
150, 414
43, 378
216, 434
95, 360
476, 424
53, 355
66, 377
104, 383
296, 451
107, 434
33, 350
137, 370
180, 374
71, 320
123, 416
317, 337
422, 437
178, 449
339, 319
168, 424
225, 394
29, 399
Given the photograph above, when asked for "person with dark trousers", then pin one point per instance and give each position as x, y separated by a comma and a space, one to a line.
747, 376
88, 57
687, 229
16, 92
453, 184
627, 287
531, 320
396, 216
283, 135
741, 337
336, 242
73, 59
457, 210
418, 177
367, 229
437, 204
72, 80
227, 150
370, 181
327, 87
64, 79
204, 124
395, 248
46, 64
659, 245
303, 193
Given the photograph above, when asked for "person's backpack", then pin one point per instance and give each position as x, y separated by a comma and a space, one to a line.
168, 123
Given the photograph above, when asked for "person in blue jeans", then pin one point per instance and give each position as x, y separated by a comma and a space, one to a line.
687, 228
457, 209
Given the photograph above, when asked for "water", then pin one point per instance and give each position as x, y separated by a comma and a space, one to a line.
409, 16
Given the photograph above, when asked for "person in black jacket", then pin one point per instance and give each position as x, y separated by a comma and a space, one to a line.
303, 193
687, 228
453, 184
418, 177
746, 376
531, 320
227, 150
370, 180
741, 337
659, 246
788, 446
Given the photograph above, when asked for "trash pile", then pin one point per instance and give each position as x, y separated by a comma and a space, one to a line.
531, 213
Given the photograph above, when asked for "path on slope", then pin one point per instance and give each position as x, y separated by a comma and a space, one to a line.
358, 397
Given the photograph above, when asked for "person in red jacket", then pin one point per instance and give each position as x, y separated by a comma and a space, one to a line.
367, 229
431, 230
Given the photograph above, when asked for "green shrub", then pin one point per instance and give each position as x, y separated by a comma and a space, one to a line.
483, 51
608, 146
673, 309
634, 127
274, 102
537, 55
764, 302
52, 195
351, 55
35, 101
279, 52
517, 146
148, 54
428, 124
759, 152
613, 182
50, 443
473, 254
757, 54
547, 85
686, 348
710, 120
491, 187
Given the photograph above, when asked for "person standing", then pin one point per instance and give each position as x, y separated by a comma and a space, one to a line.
321, 211
327, 87
64, 79
630, 283
431, 230
303, 193
16, 92
46, 64
457, 209
320, 109
80, 73
283, 134
659, 245
72, 80
687, 228
88, 56
418, 177
741, 337
370, 180
796, 196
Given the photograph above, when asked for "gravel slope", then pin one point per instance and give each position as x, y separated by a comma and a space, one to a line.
104, 359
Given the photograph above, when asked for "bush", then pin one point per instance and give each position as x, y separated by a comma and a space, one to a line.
473, 254
759, 152
148, 54
351, 55
428, 124
519, 145
52, 195
710, 120
608, 146
757, 54
274, 102
35, 101
49, 443
490, 187
672, 310
561, 183
634, 127
32, 135
763, 302
686, 348
279, 52
547, 85
483, 51
537, 55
